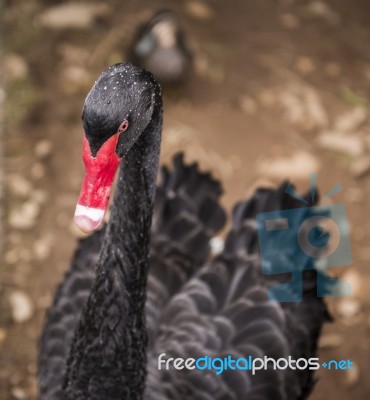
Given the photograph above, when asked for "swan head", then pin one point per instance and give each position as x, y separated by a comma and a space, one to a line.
116, 112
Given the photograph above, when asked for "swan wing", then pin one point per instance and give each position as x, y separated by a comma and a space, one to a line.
224, 311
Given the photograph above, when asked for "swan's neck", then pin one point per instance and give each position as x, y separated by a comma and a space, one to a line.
108, 355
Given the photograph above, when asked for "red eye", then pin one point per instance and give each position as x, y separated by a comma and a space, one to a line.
123, 127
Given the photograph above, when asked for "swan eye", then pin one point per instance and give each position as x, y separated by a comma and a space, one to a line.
123, 127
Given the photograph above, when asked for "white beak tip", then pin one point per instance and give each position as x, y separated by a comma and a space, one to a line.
88, 219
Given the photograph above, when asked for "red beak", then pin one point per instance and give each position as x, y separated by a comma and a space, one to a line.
97, 184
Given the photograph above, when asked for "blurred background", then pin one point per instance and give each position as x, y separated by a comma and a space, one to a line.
276, 89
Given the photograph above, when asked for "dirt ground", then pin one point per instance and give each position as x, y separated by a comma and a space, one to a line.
280, 89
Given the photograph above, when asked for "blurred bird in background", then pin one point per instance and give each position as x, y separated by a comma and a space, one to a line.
160, 47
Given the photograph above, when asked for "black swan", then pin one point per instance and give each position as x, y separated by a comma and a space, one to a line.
160, 47
144, 285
